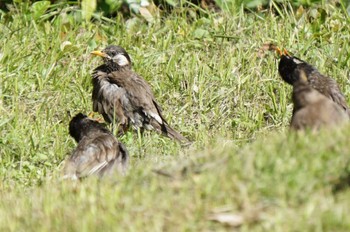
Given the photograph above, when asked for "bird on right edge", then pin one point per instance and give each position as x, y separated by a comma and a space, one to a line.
323, 84
313, 110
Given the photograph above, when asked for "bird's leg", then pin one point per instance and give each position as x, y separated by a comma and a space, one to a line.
120, 128
139, 139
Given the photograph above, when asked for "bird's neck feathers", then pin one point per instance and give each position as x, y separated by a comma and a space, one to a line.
307, 68
112, 67
303, 93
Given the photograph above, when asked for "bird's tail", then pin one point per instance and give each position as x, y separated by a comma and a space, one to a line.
166, 130
173, 134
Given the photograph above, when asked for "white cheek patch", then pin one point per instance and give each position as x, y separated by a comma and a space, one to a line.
297, 61
121, 60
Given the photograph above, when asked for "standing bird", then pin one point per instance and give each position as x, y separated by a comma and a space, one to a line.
323, 84
312, 109
122, 96
98, 151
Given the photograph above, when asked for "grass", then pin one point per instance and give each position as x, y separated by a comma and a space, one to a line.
216, 86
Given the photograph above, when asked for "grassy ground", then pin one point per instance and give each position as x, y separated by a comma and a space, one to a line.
223, 93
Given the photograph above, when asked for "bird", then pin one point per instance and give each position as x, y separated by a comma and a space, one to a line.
323, 84
124, 97
312, 109
98, 152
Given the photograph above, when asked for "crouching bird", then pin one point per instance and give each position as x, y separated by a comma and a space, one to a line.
323, 84
125, 98
312, 109
98, 151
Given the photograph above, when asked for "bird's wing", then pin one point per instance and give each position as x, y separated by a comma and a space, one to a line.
152, 109
139, 95
93, 155
338, 97
107, 97
98, 75
328, 87
140, 104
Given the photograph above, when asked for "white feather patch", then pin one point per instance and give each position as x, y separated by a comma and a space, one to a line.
156, 117
297, 61
121, 60
97, 168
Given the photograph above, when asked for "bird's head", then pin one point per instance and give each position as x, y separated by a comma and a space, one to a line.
77, 125
289, 63
81, 125
115, 57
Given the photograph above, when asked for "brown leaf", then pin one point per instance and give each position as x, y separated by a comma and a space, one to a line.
266, 47
300, 11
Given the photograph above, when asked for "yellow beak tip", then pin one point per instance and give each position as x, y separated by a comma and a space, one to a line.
98, 53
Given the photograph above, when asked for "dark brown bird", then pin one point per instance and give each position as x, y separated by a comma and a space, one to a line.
122, 96
312, 109
323, 84
98, 151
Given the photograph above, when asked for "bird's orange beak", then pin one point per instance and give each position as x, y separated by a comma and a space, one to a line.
285, 52
279, 52
99, 53
91, 115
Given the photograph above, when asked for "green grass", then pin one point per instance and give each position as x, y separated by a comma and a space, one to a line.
223, 93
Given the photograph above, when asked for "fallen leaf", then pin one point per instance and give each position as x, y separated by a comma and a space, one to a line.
266, 47
300, 11
234, 220
237, 219
146, 14
64, 45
